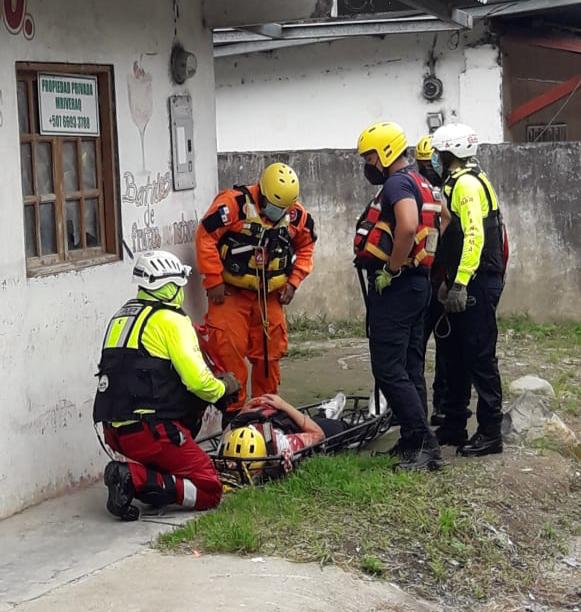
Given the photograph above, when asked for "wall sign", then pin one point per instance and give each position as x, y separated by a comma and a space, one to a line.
68, 105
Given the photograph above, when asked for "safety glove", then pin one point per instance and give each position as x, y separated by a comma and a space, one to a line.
384, 278
230, 382
443, 293
457, 298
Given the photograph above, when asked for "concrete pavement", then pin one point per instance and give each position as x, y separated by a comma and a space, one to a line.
68, 554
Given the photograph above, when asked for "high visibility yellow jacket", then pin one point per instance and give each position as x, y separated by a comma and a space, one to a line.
151, 363
474, 212
170, 335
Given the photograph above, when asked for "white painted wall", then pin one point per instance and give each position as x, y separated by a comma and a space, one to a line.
51, 328
324, 95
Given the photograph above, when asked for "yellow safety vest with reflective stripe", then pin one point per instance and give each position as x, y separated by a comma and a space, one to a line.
151, 362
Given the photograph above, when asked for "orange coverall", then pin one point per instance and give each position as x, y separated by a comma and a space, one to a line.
235, 328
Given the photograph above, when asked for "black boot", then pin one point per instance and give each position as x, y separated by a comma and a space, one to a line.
425, 456
481, 444
402, 450
437, 417
121, 491
451, 436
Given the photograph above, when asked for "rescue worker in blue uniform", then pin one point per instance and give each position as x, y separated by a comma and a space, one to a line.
395, 242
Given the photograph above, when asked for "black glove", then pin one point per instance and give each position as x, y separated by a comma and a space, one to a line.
457, 298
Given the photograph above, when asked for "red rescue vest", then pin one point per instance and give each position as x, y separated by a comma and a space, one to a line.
373, 240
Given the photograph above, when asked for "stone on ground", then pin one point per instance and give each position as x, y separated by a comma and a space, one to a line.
532, 384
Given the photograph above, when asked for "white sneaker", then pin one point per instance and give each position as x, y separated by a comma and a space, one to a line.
376, 411
334, 408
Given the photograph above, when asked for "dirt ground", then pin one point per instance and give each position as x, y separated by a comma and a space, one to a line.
317, 369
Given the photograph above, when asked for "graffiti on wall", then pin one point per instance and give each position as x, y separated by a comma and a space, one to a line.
140, 93
146, 232
180, 232
16, 18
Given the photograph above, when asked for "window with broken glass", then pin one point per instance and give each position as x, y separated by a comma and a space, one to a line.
70, 208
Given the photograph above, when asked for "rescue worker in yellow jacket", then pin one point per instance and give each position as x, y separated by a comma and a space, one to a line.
154, 386
254, 247
472, 252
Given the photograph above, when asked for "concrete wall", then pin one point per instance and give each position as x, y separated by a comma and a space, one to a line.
323, 95
540, 196
51, 328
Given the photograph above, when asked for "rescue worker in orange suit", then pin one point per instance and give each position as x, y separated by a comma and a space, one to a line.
154, 386
474, 252
395, 243
254, 248
437, 274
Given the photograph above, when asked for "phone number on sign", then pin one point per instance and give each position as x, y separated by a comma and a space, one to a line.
69, 121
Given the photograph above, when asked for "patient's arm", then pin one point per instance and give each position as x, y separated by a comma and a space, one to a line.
303, 421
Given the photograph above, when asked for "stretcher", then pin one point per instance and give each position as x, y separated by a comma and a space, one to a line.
362, 429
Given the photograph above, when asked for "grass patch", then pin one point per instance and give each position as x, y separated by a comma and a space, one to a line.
303, 327
299, 352
435, 534
546, 335
372, 565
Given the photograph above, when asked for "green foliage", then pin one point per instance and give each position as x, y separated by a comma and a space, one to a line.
355, 510
302, 327
372, 565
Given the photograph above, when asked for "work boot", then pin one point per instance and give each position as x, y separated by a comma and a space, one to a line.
402, 450
451, 436
425, 457
121, 491
481, 444
437, 418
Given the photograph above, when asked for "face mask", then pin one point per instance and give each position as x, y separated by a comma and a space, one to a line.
437, 164
428, 172
272, 212
373, 174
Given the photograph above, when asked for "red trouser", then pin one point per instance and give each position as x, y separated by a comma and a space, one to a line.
196, 481
235, 333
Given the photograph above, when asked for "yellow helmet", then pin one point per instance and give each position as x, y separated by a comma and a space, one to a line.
245, 443
424, 148
387, 139
279, 184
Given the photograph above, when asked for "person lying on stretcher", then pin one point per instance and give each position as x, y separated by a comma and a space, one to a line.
269, 426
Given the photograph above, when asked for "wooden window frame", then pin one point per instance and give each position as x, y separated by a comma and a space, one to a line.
107, 188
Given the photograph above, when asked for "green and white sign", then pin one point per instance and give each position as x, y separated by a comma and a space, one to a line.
68, 105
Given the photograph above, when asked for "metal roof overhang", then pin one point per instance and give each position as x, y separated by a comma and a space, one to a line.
433, 19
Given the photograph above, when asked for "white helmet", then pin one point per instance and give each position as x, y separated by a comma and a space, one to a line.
461, 140
155, 269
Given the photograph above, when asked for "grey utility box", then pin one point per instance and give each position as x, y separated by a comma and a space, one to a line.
182, 142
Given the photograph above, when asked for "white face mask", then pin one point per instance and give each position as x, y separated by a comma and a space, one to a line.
272, 212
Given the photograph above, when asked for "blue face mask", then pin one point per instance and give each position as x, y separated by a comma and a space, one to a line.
437, 164
272, 212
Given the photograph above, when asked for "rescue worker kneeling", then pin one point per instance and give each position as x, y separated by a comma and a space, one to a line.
154, 386
254, 248
288, 432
